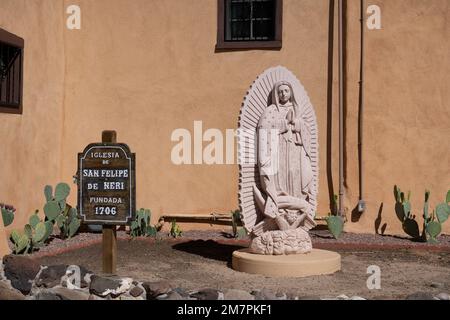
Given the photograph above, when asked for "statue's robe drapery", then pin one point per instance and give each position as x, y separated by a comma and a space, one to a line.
284, 157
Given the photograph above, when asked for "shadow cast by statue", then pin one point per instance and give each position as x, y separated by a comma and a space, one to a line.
209, 249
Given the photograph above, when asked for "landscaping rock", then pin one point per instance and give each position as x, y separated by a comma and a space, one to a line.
234, 294
357, 298
50, 277
308, 298
281, 296
71, 294
46, 295
8, 293
21, 271
207, 294
443, 296
173, 295
266, 294
420, 296
437, 285
136, 291
67, 280
128, 297
182, 292
114, 286
154, 289
162, 296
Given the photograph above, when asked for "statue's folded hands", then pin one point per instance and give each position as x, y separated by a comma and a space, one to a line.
292, 203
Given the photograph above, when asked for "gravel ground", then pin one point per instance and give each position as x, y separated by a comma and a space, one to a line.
202, 259
199, 264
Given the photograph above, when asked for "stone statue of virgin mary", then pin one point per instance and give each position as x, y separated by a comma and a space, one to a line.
284, 191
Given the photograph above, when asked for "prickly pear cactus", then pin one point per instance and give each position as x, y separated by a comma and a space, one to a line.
141, 225
39, 233
48, 192
7, 214
433, 229
74, 225
62, 191
432, 225
52, 210
335, 225
34, 220
21, 242
58, 211
403, 212
442, 212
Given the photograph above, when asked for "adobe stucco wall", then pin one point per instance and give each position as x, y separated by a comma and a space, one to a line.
407, 108
31, 143
145, 68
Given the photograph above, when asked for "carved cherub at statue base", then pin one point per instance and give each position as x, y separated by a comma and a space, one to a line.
284, 231
295, 241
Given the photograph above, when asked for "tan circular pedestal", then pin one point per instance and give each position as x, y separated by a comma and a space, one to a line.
317, 262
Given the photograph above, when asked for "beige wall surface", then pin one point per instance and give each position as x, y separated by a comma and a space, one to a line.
31, 143
145, 68
407, 110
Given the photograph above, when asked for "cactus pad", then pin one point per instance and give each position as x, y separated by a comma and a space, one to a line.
335, 225
51, 210
442, 212
62, 190
48, 192
40, 231
34, 220
434, 229
8, 216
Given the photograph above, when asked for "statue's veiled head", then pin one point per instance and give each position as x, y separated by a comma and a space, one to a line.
283, 94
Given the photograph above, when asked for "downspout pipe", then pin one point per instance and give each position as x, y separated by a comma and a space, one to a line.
361, 202
341, 108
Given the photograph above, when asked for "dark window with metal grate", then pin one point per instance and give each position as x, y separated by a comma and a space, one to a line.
250, 20
249, 24
11, 73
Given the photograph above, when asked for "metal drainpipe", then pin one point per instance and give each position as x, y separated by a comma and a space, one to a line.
361, 202
341, 109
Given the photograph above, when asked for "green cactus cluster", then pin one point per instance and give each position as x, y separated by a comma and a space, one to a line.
34, 235
59, 212
7, 214
432, 223
236, 221
335, 223
403, 212
141, 227
36, 232
175, 230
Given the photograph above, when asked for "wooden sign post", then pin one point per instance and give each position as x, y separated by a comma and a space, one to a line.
106, 191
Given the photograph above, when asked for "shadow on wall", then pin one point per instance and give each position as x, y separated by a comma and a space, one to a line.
378, 221
330, 107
